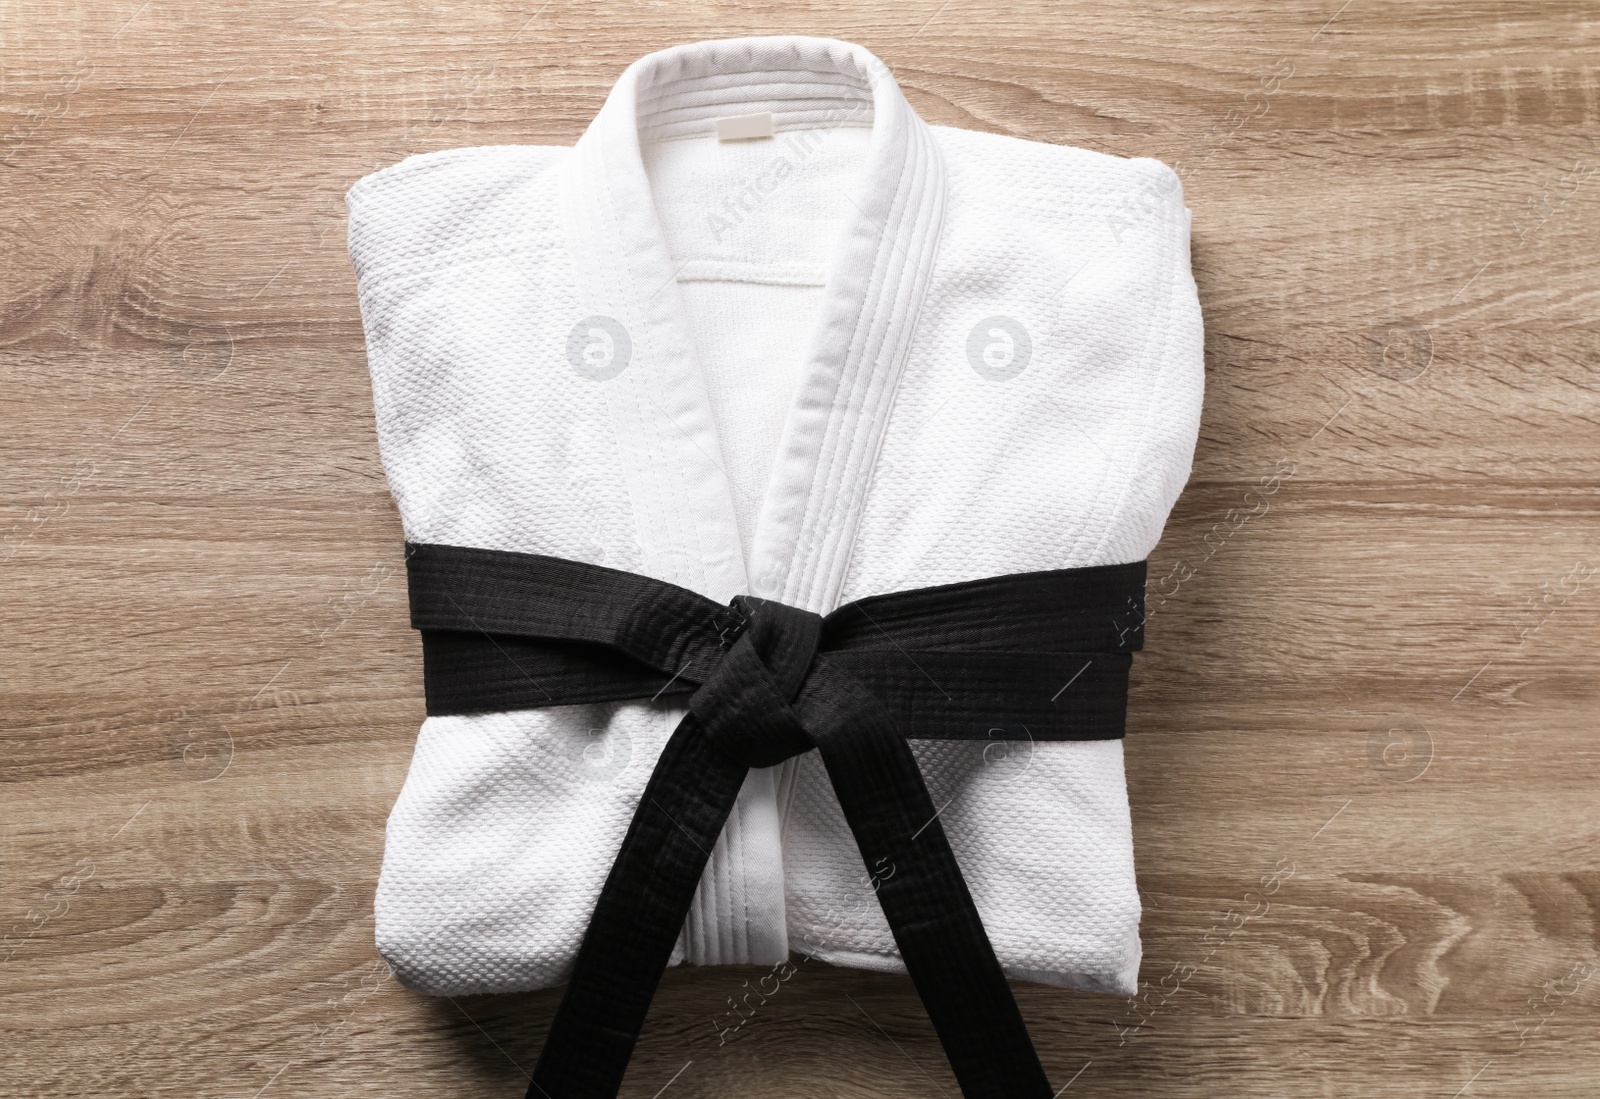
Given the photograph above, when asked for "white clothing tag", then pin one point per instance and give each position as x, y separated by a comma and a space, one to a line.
743, 126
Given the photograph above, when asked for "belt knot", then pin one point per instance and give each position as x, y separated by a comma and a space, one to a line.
744, 704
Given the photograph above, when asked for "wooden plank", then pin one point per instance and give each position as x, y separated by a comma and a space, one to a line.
1361, 755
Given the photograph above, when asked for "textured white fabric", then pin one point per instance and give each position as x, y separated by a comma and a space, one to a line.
861, 356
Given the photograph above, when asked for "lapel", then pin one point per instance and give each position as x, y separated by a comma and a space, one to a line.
654, 388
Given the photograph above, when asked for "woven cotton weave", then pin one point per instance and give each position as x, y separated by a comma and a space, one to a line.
862, 356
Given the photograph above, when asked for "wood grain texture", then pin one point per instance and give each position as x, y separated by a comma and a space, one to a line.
1362, 753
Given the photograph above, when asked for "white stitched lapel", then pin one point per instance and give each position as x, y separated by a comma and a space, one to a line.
875, 285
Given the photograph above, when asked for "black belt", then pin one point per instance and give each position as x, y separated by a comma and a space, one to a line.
1043, 655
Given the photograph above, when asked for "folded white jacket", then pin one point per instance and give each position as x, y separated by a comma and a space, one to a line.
861, 355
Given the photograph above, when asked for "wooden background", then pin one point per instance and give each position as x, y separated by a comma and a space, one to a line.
1363, 751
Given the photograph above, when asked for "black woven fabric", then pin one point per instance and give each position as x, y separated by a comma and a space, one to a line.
1040, 655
